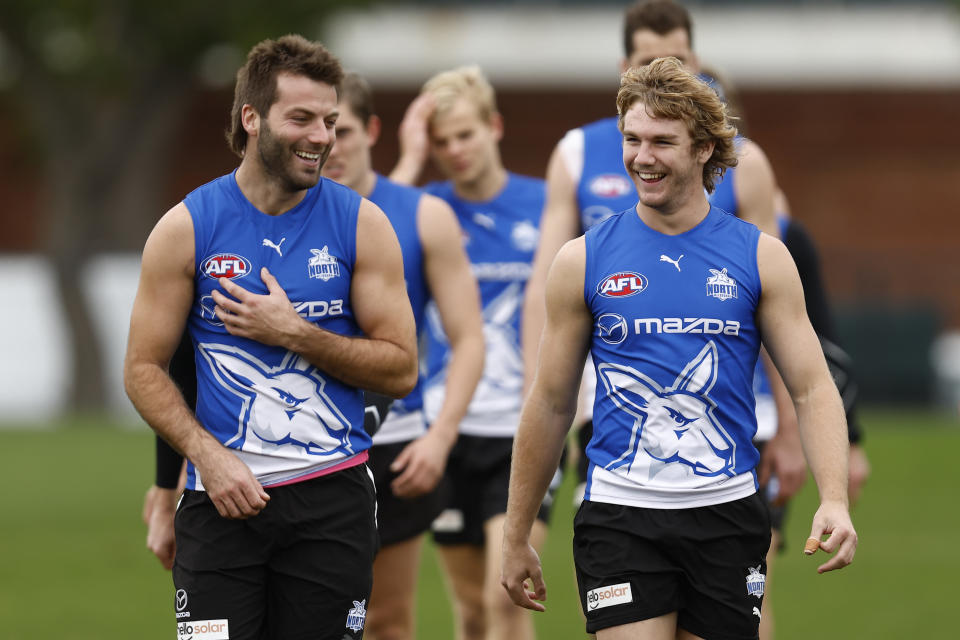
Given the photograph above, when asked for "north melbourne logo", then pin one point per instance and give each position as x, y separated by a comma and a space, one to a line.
721, 286
755, 581
322, 265
357, 615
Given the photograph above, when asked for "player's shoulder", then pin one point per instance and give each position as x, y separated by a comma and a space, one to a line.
526, 183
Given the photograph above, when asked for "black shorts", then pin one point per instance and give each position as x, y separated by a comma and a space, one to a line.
399, 519
302, 568
478, 479
706, 563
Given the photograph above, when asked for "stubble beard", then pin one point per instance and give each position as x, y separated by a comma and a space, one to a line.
276, 156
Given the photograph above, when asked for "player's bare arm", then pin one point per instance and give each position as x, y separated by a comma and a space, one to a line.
384, 359
163, 300
783, 453
793, 345
454, 290
547, 415
414, 140
559, 223
756, 188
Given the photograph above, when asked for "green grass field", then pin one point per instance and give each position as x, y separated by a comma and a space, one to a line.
74, 565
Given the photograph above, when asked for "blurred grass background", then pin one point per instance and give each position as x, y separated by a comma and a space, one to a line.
74, 565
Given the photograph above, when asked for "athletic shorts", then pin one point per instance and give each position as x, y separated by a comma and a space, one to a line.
399, 519
301, 568
478, 479
706, 563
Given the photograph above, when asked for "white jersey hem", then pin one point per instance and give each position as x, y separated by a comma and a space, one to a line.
401, 427
598, 490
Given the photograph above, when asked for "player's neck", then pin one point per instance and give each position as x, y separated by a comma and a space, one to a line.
266, 193
365, 185
674, 220
486, 186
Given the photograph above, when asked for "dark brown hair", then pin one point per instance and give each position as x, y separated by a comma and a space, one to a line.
356, 93
257, 78
659, 16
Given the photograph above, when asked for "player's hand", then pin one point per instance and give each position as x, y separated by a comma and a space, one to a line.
159, 508
420, 465
414, 139
269, 319
833, 520
783, 458
520, 572
859, 472
230, 484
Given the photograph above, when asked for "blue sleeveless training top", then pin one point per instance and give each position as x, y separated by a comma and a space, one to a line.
500, 238
604, 187
674, 349
400, 203
285, 418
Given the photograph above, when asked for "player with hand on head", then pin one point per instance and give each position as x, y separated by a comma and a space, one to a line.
455, 121
291, 287
408, 458
671, 537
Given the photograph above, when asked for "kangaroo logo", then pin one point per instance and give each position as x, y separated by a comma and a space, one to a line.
283, 406
674, 429
503, 363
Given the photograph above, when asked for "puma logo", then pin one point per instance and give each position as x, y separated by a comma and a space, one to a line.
269, 243
756, 612
663, 258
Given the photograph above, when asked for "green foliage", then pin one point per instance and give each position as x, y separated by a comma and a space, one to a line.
75, 566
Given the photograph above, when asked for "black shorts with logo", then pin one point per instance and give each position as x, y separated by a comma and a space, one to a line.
478, 480
706, 563
399, 519
301, 568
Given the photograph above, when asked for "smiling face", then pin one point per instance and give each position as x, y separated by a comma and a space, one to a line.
349, 162
294, 139
660, 158
464, 145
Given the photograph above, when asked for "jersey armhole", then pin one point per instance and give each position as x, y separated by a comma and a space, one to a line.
571, 148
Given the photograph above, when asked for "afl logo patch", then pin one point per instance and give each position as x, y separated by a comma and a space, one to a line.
622, 285
226, 265
610, 185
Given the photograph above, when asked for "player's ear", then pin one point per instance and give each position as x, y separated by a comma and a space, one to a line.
496, 123
250, 120
374, 127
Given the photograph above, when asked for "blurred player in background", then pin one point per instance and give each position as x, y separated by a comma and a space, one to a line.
292, 288
671, 537
455, 122
408, 458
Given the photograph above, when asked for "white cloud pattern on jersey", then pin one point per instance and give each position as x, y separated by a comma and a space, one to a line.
675, 432
283, 406
502, 383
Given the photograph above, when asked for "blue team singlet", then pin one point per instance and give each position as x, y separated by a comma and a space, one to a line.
500, 238
405, 420
604, 187
674, 349
283, 417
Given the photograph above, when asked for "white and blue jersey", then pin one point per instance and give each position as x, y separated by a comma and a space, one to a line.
674, 348
399, 202
283, 417
500, 237
593, 155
